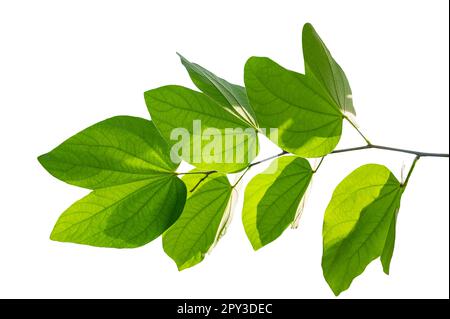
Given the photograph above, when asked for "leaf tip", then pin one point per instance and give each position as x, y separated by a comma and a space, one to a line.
307, 26
43, 160
336, 292
191, 262
335, 288
53, 236
256, 246
386, 268
181, 268
41, 157
180, 56
308, 29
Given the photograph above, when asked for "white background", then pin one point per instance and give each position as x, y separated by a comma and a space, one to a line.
65, 65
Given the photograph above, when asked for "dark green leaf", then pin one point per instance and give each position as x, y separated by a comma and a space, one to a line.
231, 96
388, 250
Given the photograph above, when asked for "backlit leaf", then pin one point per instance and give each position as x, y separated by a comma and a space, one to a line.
309, 122
272, 198
320, 64
116, 151
208, 136
123, 216
359, 224
196, 230
231, 96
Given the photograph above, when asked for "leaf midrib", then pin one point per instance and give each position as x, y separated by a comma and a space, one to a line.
119, 150
213, 116
109, 206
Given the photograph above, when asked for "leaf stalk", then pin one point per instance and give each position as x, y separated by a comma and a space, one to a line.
405, 183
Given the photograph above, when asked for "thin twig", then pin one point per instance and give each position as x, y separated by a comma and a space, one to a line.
318, 165
197, 172
387, 148
256, 163
240, 177
351, 149
418, 153
358, 130
410, 171
201, 180
344, 150
268, 159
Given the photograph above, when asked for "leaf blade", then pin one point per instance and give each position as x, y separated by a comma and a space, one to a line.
357, 222
196, 230
271, 199
321, 65
176, 109
115, 151
388, 250
309, 123
123, 216
233, 97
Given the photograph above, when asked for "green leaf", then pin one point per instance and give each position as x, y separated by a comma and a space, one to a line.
231, 96
123, 216
309, 123
209, 137
359, 224
197, 229
272, 198
136, 195
116, 151
388, 250
320, 64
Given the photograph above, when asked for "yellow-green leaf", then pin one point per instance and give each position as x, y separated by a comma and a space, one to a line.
123, 216
206, 135
359, 224
116, 151
308, 121
272, 199
196, 230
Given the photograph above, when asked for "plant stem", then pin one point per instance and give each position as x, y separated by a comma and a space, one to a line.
240, 177
256, 163
387, 148
268, 159
421, 154
344, 150
207, 173
351, 149
201, 180
358, 130
405, 183
197, 173
318, 165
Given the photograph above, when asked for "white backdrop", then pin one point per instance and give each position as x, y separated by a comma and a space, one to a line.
66, 65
